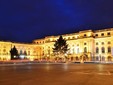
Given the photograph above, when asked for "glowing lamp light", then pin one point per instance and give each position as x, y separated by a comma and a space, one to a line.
65, 54
22, 56
14, 56
31, 59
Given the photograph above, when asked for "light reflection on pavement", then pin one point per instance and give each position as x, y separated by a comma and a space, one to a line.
56, 74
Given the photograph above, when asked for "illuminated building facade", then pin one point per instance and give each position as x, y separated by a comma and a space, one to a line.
30, 49
84, 45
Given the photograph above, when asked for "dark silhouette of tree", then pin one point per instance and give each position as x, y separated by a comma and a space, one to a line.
60, 46
14, 53
11, 52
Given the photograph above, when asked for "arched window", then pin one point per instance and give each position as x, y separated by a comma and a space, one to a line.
48, 51
97, 50
85, 43
28, 52
102, 34
21, 52
96, 43
109, 49
85, 50
68, 38
103, 58
96, 35
25, 53
102, 43
73, 50
73, 37
109, 42
4, 50
108, 33
103, 50
85, 35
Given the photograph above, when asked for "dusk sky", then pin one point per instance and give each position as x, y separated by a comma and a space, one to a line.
26, 20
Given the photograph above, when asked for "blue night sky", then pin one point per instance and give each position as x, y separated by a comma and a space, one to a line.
26, 20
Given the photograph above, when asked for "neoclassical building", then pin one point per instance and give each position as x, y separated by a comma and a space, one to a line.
30, 49
84, 45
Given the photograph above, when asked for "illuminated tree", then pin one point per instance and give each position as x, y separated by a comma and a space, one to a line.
60, 47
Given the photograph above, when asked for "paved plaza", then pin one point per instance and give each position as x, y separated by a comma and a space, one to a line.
56, 74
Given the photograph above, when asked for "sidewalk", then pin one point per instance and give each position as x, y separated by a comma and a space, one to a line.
45, 62
17, 61
29, 62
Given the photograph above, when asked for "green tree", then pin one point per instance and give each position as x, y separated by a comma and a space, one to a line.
14, 53
60, 47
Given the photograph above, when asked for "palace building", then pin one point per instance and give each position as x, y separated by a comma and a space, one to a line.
87, 45
29, 49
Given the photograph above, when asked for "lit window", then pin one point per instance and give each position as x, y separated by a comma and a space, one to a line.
77, 44
109, 49
73, 50
103, 50
97, 50
102, 43
85, 50
21, 52
96, 43
77, 50
85, 43
48, 51
25, 53
85, 35
4, 50
96, 35
108, 33
102, 34
73, 37
28, 52
77, 36
109, 42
